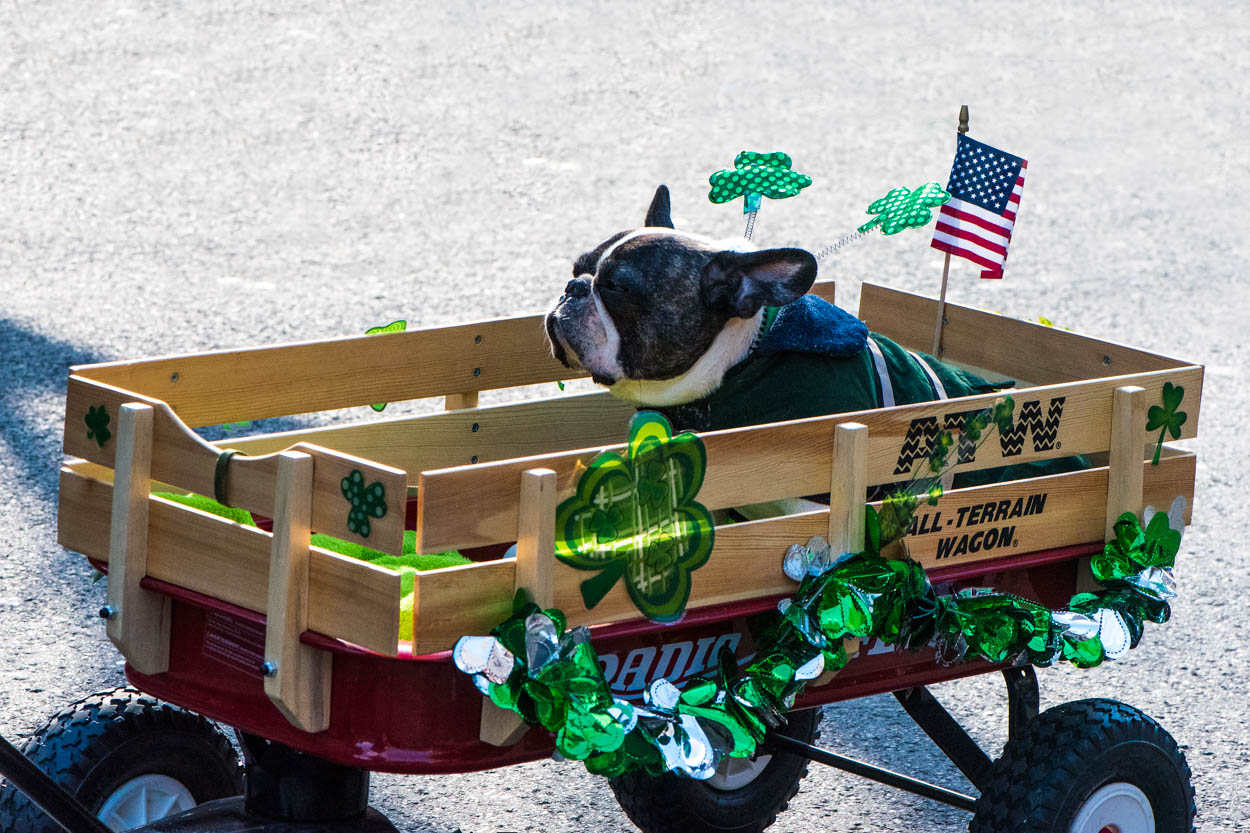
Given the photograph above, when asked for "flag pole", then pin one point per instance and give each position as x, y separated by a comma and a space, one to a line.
946, 265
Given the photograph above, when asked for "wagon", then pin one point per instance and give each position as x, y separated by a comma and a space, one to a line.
299, 647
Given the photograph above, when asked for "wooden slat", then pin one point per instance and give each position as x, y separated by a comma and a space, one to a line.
297, 676
348, 599
746, 562
1124, 478
330, 504
974, 524
138, 622
233, 385
459, 401
848, 488
788, 459
454, 601
535, 563
1014, 348
536, 543
182, 459
1128, 438
443, 440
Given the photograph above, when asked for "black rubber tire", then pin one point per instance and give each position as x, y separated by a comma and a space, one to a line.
1067, 753
99, 743
673, 804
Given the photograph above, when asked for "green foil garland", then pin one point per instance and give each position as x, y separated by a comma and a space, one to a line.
864, 596
534, 665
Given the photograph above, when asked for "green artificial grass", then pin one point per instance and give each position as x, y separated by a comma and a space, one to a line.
406, 565
207, 504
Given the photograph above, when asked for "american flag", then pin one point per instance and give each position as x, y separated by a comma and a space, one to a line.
985, 187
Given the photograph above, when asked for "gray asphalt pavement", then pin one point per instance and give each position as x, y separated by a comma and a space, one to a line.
183, 177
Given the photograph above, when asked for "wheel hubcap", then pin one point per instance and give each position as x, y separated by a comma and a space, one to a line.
734, 773
145, 799
1115, 808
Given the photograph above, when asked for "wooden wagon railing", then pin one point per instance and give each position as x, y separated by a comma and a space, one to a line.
494, 475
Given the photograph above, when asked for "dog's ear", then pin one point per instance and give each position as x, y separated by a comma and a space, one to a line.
660, 214
738, 284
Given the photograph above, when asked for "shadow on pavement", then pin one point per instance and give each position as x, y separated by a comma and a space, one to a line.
34, 366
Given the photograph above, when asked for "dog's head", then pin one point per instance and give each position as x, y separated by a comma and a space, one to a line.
650, 304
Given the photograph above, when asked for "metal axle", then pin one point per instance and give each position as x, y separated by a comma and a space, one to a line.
781, 743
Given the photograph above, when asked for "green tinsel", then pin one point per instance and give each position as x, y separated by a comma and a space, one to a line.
864, 595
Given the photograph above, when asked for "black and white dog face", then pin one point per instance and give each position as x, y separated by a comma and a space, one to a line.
659, 315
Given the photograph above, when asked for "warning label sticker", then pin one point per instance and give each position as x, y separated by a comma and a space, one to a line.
234, 642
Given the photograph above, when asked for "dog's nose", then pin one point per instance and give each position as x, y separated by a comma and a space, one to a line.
577, 288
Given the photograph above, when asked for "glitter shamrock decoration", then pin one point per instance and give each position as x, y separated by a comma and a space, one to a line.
635, 517
393, 327
97, 425
753, 177
1166, 418
904, 208
366, 502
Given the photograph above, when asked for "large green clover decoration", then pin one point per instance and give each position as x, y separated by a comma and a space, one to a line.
1166, 418
635, 517
903, 208
756, 175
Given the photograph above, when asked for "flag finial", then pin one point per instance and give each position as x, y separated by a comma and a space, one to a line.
963, 118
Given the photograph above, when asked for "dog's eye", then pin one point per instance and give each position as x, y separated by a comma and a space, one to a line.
609, 285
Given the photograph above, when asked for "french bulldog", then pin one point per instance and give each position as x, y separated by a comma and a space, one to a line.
659, 315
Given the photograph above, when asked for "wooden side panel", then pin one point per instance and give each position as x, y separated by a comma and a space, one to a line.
968, 525
182, 459
233, 385
1014, 348
227, 386
1027, 515
348, 599
790, 459
444, 440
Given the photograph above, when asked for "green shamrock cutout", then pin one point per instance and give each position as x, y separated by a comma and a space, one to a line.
635, 517
393, 327
366, 502
1167, 418
904, 208
97, 425
756, 175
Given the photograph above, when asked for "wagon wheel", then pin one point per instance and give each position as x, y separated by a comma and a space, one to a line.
1088, 766
744, 796
129, 758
